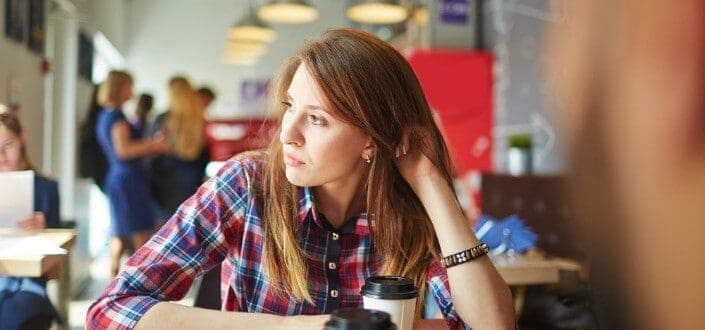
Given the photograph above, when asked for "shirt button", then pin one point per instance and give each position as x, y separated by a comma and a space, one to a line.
332, 265
334, 293
335, 236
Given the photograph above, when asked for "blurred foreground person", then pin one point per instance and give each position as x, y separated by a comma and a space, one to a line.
629, 77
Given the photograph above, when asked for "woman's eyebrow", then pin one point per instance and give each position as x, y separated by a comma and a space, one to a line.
310, 106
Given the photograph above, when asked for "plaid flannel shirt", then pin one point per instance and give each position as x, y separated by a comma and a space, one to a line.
221, 224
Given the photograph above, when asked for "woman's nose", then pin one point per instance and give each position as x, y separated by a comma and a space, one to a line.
291, 130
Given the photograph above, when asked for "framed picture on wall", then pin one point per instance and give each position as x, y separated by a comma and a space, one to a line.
15, 14
36, 36
85, 57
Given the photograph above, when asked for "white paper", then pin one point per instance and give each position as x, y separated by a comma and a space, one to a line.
27, 246
16, 197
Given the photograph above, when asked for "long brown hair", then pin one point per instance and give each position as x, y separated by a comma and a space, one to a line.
372, 87
12, 123
186, 122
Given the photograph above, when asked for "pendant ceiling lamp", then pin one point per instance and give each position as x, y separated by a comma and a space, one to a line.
420, 15
238, 59
246, 48
377, 12
250, 28
243, 52
288, 12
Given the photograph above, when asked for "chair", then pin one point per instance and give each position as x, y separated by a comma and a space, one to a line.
541, 201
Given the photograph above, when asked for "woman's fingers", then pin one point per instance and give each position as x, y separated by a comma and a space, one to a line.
405, 142
39, 220
404, 145
35, 222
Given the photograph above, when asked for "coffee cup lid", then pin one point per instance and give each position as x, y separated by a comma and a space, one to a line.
361, 319
389, 287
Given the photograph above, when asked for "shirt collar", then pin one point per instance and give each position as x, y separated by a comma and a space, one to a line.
307, 210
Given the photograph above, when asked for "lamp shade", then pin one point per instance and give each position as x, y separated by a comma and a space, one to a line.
420, 15
377, 12
253, 33
235, 59
288, 12
252, 29
245, 48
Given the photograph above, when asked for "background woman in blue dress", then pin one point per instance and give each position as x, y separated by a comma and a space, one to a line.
23, 301
132, 208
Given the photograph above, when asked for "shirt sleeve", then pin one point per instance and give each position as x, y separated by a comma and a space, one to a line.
438, 285
46, 200
194, 240
52, 216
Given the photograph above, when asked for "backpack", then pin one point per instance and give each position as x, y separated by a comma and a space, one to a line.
92, 162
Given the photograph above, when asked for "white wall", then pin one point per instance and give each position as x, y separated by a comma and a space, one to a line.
106, 16
21, 81
169, 37
110, 18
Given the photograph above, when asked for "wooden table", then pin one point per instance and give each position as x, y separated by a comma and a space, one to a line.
52, 266
531, 268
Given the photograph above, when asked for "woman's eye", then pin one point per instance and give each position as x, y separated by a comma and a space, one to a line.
287, 105
317, 120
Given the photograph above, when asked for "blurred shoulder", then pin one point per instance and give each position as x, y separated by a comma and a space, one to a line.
44, 182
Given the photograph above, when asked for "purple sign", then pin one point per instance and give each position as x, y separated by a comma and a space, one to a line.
454, 11
253, 95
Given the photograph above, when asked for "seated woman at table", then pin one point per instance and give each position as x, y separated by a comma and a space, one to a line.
356, 184
23, 301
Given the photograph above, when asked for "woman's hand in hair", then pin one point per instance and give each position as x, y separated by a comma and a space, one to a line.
34, 222
411, 160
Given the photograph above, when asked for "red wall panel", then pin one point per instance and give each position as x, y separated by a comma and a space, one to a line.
458, 86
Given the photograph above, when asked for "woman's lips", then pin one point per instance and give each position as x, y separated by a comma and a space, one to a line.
290, 160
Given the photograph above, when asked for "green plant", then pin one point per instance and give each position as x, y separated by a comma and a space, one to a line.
521, 141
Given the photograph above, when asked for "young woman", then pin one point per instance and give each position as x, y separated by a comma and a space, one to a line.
176, 176
132, 208
23, 301
357, 184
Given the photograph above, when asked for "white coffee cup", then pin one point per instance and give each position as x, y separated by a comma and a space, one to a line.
395, 295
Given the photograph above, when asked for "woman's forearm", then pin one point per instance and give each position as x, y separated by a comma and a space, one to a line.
136, 149
166, 315
480, 295
127, 148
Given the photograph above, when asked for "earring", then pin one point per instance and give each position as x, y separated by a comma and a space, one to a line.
368, 159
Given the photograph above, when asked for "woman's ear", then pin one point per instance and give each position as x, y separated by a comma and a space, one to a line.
369, 150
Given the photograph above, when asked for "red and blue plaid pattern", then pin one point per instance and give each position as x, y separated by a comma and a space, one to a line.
221, 223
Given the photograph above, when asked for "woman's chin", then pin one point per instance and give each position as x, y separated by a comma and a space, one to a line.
296, 178
292, 178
